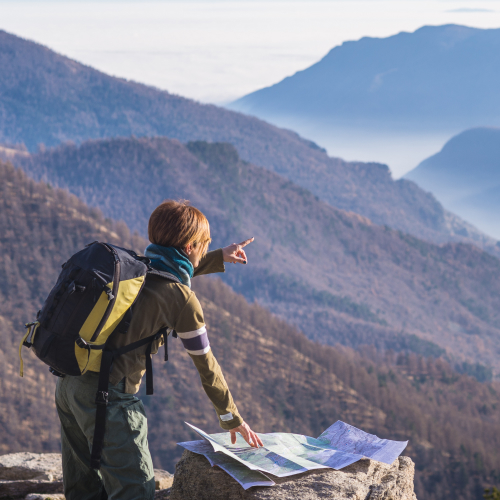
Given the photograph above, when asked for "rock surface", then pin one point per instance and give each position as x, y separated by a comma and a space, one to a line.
363, 480
38, 476
25, 473
163, 479
45, 496
163, 494
39, 466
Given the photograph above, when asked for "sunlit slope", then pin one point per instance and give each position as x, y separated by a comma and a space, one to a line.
281, 381
47, 99
335, 274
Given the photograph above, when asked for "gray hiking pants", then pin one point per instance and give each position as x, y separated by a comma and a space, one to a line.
126, 468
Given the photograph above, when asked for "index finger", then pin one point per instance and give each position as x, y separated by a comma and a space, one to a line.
246, 242
246, 436
256, 440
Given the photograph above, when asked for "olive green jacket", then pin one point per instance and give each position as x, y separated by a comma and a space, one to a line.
175, 306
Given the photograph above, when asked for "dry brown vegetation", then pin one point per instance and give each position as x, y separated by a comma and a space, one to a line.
335, 274
279, 378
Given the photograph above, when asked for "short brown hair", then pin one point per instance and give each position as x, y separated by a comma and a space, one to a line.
177, 224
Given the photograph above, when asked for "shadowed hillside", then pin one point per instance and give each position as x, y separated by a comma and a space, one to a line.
335, 274
280, 379
47, 98
465, 177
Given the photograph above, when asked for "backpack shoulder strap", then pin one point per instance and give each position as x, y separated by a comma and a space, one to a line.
127, 318
101, 400
163, 274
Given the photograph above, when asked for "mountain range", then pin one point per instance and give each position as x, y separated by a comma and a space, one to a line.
465, 177
332, 257
47, 99
408, 90
336, 275
280, 380
438, 76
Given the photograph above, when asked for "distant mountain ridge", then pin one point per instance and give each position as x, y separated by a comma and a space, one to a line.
336, 275
393, 99
465, 177
433, 77
47, 98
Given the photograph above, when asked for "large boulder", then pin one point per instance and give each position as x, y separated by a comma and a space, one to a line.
163, 479
39, 466
24, 473
38, 476
45, 496
363, 480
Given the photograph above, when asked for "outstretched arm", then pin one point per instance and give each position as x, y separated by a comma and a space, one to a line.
192, 331
216, 388
213, 261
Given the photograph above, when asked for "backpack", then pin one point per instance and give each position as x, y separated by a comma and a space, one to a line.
91, 301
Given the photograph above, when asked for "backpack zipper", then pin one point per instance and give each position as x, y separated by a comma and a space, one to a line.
74, 312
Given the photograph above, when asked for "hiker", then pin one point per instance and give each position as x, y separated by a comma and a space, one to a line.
179, 236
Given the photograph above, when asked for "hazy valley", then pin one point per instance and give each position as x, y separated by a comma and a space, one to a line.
394, 99
465, 177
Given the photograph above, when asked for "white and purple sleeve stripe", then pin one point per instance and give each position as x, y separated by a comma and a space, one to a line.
195, 342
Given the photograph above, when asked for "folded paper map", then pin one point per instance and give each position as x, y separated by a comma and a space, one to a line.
286, 454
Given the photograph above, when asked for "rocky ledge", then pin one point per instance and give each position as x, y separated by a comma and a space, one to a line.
25, 473
38, 476
363, 480
33, 476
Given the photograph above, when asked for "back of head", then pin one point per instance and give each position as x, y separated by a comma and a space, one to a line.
177, 224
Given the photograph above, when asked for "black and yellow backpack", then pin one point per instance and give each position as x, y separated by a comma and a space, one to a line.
91, 301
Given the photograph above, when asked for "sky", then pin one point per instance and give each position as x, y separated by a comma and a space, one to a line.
218, 51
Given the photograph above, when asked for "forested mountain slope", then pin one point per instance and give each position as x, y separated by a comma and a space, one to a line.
465, 177
281, 380
335, 274
47, 98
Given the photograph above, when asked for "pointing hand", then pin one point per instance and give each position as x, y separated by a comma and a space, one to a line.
234, 253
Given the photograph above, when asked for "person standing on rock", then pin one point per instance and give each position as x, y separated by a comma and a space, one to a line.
179, 236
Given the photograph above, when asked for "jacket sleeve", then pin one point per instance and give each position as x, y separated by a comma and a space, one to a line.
212, 262
216, 389
192, 331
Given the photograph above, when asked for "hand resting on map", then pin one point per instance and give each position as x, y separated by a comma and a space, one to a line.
248, 435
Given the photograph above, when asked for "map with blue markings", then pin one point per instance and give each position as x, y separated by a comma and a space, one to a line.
285, 454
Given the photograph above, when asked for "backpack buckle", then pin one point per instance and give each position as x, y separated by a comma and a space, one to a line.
101, 398
82, 343
56, 373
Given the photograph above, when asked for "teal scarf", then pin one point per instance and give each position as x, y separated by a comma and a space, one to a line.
171, 260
